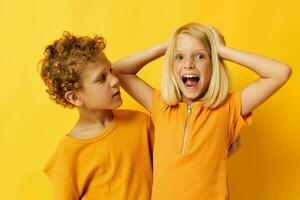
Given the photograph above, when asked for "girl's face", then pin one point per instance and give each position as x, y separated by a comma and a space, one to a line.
192, 67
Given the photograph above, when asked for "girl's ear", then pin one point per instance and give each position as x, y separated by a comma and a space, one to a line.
73, 98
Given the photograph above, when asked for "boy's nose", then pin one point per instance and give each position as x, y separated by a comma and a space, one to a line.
114, 81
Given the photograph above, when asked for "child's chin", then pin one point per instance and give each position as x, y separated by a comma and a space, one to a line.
118, 104
191, 96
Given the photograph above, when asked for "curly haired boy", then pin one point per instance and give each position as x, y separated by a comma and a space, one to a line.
107, 154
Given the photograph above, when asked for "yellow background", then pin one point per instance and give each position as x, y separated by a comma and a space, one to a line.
266, 167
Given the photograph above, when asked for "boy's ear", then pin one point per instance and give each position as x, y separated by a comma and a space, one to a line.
73, 98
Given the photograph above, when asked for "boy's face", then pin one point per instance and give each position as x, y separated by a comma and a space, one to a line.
100, 89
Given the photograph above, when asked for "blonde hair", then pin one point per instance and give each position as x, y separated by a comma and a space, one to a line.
219, 85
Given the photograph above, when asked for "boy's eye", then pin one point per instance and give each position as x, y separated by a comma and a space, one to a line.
111, 70
102, 78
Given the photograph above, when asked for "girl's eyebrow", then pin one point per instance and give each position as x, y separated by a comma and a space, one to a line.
181, 51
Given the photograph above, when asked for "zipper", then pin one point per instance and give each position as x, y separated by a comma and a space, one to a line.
185, 136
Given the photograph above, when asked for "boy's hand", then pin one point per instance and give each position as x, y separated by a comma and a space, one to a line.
234, 147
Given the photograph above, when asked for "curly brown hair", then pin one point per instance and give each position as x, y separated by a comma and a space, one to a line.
64, 62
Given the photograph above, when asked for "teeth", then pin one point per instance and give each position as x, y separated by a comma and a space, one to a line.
189, 76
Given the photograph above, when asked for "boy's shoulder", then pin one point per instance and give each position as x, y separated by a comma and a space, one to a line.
60, 157
125, 114
64, 149
135, 123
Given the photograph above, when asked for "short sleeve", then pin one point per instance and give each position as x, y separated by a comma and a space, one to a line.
151, 136
236, 121
62, 177
157, 105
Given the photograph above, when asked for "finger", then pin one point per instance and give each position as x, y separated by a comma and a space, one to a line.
214, 30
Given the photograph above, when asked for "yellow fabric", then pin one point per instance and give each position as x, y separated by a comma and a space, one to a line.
116, 164
201, 172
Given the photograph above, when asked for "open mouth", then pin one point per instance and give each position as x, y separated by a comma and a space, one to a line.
190, 80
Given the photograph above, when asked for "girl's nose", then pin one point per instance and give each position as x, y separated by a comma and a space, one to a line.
189, 64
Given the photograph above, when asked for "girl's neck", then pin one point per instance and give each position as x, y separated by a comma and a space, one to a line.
190, 101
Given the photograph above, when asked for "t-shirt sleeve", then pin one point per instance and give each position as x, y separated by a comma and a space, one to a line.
60, 172
236, 121
150, 130
157, 105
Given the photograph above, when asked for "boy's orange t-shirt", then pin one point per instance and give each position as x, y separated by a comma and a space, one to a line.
190, 162
116, 164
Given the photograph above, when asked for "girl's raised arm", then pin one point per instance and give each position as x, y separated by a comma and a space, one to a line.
273, 74
126, 69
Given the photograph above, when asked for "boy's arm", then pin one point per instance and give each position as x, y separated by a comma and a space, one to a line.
127, 68
273, 74
234, 147
63, 186
62, 178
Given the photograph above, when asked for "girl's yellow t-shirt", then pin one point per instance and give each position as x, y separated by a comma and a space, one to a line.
191, 148
115, 165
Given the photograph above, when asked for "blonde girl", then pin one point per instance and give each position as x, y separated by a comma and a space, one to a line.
196, 117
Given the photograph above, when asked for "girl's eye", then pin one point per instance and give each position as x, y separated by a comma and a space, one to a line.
179, 57
199, 56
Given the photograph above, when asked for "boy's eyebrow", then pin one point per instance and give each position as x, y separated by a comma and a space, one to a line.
98, 74
101, 71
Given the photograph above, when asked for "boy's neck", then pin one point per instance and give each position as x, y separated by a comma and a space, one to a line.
101, 117
90, 123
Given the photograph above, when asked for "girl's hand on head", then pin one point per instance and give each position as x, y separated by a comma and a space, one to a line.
219, 38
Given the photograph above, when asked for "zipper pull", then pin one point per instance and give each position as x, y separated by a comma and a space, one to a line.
189, 109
